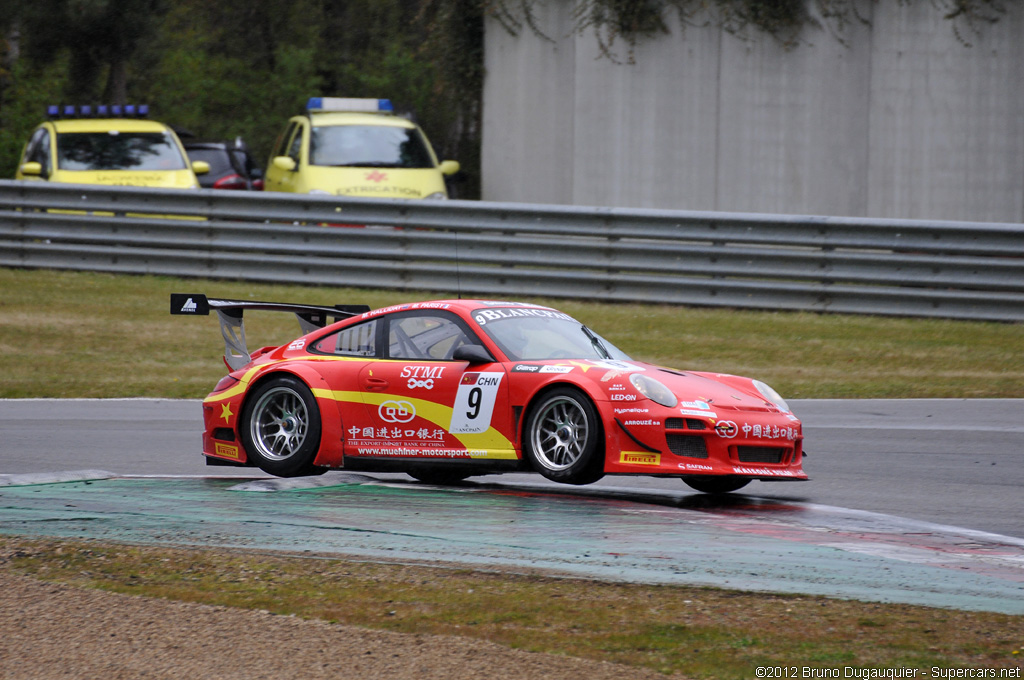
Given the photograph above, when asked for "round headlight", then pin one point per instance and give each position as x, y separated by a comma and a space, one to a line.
771, 395
653, 390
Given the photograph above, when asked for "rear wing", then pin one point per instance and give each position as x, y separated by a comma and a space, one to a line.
232, 328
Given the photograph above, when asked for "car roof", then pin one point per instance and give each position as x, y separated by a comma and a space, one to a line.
108, 124
465, 305
348, 118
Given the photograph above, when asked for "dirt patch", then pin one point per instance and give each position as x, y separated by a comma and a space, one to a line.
50, 630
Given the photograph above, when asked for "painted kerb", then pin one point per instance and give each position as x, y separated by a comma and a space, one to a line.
962, 270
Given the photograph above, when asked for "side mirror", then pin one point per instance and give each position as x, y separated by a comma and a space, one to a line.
474, 354
449, 167
32, 169
200, 167
285, 163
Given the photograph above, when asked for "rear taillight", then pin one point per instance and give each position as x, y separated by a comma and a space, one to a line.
226, 382
230, 182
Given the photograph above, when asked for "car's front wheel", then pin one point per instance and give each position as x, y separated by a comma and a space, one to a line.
716, 484
562, 439
281, 427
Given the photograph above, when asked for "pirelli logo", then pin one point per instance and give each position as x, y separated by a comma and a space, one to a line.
639, 458
227, 451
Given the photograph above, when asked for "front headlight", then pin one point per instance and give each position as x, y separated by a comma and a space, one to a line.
653, 390
771, 395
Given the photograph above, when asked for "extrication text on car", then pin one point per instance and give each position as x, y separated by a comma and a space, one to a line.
448, 389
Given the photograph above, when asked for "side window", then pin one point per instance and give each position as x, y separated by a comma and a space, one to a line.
296, 146
38, 150
354, 341
425, 337
281, 143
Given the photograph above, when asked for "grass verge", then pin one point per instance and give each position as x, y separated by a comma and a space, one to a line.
84, 334
698, 632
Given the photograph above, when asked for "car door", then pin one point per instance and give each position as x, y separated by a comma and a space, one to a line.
423, 404
37, 151
289, 145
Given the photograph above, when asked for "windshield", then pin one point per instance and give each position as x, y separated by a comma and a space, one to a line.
369, 146
532, 334
115, 150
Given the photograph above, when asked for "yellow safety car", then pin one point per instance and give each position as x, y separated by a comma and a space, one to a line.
107, 145
356, 147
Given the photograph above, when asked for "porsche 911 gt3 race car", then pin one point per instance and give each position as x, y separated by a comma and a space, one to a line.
448, 389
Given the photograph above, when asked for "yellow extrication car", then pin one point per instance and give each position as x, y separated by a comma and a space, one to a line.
356, 147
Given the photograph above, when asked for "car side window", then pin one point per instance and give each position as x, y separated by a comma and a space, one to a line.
295, 148
355, 341
425, 337
38, 150
281, 143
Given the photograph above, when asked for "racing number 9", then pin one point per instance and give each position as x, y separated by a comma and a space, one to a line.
474, 402
476, 397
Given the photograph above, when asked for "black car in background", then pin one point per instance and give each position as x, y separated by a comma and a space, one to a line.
231, 165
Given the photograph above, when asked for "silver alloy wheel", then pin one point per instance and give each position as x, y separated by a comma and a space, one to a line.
279, 423
560, 433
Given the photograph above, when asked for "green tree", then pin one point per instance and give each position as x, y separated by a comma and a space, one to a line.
222, 74
221, 70
100, 36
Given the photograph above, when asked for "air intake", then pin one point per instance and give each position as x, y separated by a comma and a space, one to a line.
761, 454
686, 445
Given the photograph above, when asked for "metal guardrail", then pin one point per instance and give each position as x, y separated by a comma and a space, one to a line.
939, 269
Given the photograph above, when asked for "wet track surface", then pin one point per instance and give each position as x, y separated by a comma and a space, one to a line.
894, 483
604, 532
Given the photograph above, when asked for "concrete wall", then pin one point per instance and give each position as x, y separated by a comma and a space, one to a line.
900, 119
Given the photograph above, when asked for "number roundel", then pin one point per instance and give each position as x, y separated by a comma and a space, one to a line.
474, 402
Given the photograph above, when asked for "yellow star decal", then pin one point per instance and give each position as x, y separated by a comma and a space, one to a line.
225, 412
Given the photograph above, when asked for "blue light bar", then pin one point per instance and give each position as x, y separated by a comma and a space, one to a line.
100, 111
348, 104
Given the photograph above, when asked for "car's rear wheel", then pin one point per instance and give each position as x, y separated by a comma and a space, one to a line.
281, 427
562, 439
716, 484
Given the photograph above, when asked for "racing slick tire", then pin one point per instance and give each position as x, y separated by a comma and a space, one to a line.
563, 439
716, 484
280, 428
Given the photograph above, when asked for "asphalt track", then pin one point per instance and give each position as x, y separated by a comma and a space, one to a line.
911, 501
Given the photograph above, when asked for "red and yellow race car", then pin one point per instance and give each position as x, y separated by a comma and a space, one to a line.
448, 389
